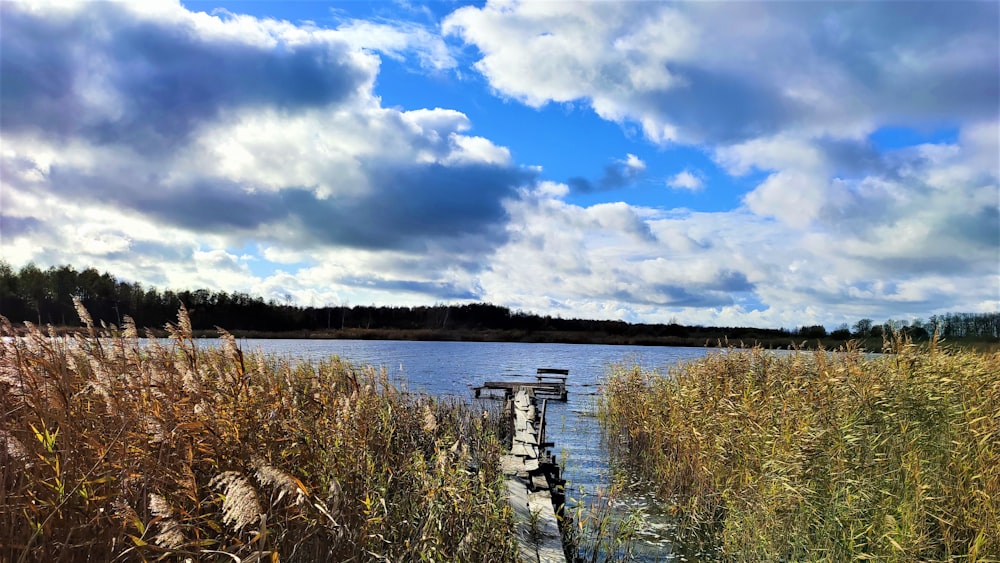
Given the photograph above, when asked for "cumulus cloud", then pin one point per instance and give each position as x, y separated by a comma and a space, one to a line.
686, 180
112, 74
791, 92
709, 72
807, 247
793, 198
608, 261
227, 129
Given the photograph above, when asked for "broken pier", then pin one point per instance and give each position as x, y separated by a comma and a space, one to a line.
531, 472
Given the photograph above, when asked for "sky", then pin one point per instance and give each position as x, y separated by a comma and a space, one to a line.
769, 164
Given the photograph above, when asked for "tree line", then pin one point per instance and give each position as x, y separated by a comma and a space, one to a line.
947, 325
46, 297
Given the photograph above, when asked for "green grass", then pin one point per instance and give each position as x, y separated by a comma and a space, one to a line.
111, 450
820, 456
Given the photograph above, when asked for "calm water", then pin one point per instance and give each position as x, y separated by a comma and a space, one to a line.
453, 368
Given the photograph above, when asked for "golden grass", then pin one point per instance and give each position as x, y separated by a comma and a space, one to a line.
116, 449
821, 456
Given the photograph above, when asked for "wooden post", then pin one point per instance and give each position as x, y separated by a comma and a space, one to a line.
541, 430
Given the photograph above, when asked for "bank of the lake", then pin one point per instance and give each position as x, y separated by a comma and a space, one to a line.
709, 338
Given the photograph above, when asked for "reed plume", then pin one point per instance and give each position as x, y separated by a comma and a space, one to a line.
241, 507
284, 483
169, 535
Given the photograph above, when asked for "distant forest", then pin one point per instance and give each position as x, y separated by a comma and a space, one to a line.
46, 297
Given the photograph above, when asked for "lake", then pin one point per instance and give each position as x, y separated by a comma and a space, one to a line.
453, 368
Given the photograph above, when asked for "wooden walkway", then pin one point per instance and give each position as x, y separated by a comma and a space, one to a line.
530, 471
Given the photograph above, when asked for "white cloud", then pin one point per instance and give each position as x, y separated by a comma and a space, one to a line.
468, 149
795, 95
742, 268
706, 72
398, 40
273, 137
634, 163
591, 51
619, 258
791, 197
686, 180
780, 152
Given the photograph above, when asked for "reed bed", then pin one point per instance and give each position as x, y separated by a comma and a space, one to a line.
112, 449
820, 456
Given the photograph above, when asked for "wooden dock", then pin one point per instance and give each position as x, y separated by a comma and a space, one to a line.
549, 383
534, 487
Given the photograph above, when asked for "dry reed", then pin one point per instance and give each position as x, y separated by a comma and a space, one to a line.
821, 456
112, 448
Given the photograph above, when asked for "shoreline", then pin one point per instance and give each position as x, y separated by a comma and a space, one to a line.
711, 339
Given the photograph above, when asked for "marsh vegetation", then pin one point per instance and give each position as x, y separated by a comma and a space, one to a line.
820, 456
117, 448
113, 449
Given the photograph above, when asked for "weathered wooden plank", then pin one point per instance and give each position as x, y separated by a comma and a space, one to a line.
512, 385
539, 482
526, 438
526, 451
516, 465
511, 464
517, 497
548, 540
537, 530
525, 428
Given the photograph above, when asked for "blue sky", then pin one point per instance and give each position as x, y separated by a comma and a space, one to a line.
725, 163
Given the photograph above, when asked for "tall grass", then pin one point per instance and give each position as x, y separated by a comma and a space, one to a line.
820, 456
112, 449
